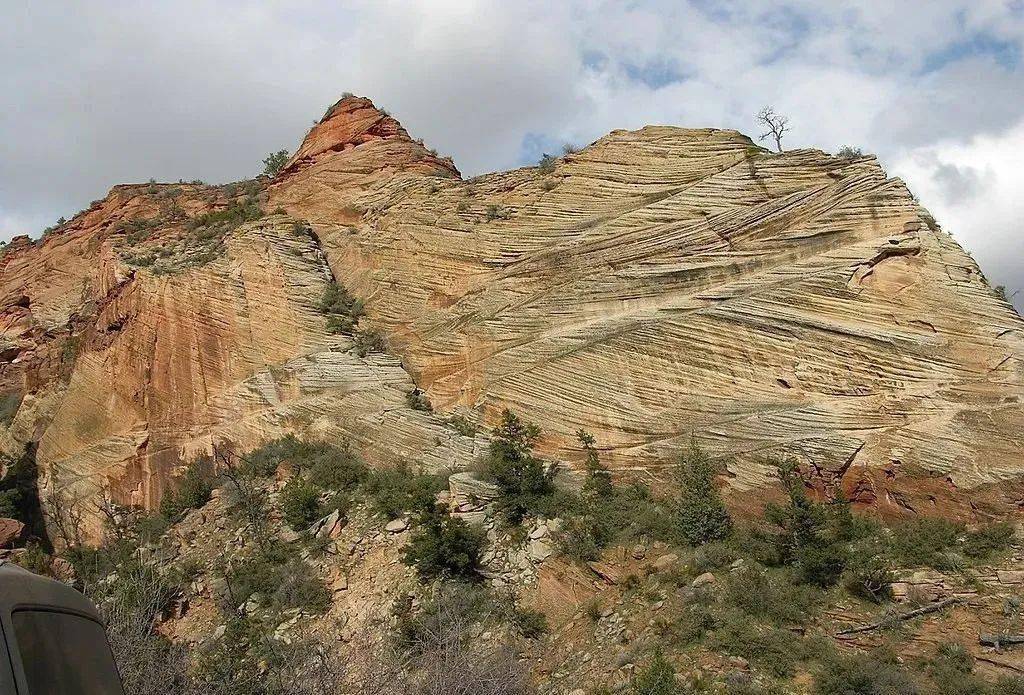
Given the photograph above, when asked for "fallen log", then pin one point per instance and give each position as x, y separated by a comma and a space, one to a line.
999, 640
923, 610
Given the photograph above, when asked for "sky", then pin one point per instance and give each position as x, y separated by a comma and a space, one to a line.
102, 93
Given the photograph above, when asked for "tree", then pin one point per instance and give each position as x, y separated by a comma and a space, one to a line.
274, 162
527, 487
702, 514
777, 125
444, 546
810, 536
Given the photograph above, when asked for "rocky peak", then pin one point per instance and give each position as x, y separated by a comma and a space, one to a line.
351, 122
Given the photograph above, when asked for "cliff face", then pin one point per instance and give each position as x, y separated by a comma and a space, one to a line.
658, 285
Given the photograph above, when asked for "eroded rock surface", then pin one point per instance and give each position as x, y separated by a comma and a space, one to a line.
658, 285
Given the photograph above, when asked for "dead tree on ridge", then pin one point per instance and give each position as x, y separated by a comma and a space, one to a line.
777, 125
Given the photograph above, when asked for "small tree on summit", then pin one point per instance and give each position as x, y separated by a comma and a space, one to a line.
274, 162
776, 124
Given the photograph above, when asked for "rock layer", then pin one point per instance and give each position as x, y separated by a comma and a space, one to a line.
657, 286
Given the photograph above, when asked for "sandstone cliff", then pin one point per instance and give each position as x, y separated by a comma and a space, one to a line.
658, 285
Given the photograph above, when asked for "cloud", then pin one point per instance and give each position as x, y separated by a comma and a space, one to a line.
974, 191
111, 92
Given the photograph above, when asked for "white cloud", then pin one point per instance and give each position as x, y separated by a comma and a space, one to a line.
988, 220
114, 92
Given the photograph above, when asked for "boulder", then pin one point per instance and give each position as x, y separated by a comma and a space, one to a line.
540, 550
665, 562
11, 532
397, 525
706, 579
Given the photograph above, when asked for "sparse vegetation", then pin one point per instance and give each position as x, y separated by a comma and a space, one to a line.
848, 152
547, 163
526, 481
496, 212
342, 309
443, 546
776, 126
417, 400
191, 492
370, 340
274, 162
702, 514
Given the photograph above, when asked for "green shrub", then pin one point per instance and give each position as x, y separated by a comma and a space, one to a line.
869, 574
300, 588
530, 623
274, 162
848, 152
327, 466
278, 578
809, 535
526, 485
657, 678
926, 541
263, 462
19, 496
945, 544
342, 309
702, 514
770, 596
443, 546
34, 559
988, 541
547, 163
875, 673
496, 212
331, 467
399, 490
596, 524
369, 341
192, 491
448, 611
776, 650
300, 503
417, 400
691, 626
216, 223
151, 527
1008, 685
463, 426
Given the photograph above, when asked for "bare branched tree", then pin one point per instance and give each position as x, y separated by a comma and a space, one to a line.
64, 512
131, 606
776, 126
250, 499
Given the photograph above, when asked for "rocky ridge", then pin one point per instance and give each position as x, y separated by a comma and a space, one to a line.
658, 285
